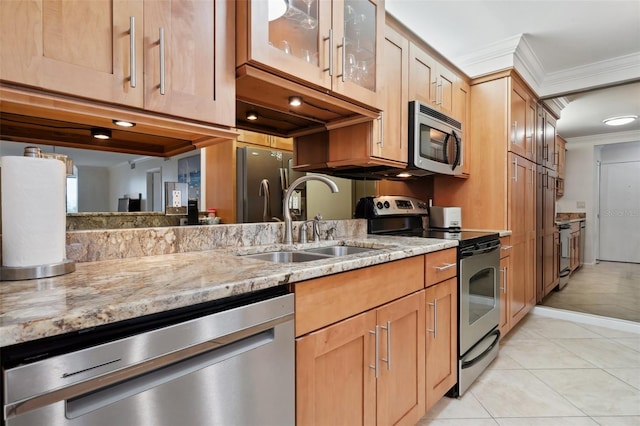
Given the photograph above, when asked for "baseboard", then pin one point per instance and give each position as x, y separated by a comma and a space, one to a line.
613, 323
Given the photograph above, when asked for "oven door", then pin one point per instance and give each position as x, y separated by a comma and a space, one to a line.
479, 296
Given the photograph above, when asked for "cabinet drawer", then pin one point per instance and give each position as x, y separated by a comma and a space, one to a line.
439, 266
326, 300
505, 247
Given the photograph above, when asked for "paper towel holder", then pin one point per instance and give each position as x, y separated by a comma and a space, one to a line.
19, 273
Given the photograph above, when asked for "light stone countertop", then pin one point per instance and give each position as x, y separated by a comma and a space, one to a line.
108, 291
501, 232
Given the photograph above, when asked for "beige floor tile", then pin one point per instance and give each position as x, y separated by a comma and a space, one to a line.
595, 392
465, 407
627, 375
618, 421
613, 333
518, 393
553, 328
535, 354
603, 353
504, 362
548, 421
457, 422
633, 343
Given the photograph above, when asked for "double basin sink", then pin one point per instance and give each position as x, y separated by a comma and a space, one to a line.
306, 255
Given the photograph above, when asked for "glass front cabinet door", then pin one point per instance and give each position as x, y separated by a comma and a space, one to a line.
333, 45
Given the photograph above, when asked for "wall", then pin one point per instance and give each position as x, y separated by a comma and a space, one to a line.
330, 205
581, 183
93, 189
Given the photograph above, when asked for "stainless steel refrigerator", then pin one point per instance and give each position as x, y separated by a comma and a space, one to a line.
254, 167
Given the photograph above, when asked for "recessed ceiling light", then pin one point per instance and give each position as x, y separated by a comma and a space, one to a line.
619, 121
295, 101
123, 123
100, 133
252, 115
403, 175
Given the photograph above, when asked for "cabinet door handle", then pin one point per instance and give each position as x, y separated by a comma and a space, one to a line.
514, 131
440, 101
381, 118
330, 38
435, 92
515, 169
445, 267
376, 365
504, 279
533, 175
388, 359
545, 152
556, 158
344, 58
132, 51
434, 330
506, 247
162, 87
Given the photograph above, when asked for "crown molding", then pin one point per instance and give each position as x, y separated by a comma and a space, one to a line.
556, 105
515, 52
603, 139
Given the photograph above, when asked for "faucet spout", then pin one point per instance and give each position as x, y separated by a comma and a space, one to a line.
288, 222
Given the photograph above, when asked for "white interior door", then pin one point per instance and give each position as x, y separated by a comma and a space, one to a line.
620, 212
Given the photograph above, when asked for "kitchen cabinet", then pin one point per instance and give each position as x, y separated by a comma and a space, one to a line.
77, 48
361, 360
550, 233
546, 141
269, 141
334, 45
441, 339
505, 284
188, 60
523, 116
500, 191
461, 112
574, 243
430, 82
561, 151
110, 52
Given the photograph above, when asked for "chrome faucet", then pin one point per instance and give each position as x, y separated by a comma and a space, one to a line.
316, 229
288, 224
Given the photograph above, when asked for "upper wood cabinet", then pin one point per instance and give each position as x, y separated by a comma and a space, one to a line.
171, 57
523, 115
335, 45
188, 60
429, 81
546, 141
80, 48
561, 152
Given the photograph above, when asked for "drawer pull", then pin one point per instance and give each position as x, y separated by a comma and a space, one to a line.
162, 62
506, 247
132, 51
376, 365
388, 358
445, 267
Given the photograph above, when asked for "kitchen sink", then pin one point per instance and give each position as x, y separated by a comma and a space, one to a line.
339, 250
287, 256
307, 255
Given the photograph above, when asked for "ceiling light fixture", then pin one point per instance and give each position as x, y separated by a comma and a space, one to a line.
276, 8
123, 123
295, 101
619, 121
252, 115
403, 175
100, 133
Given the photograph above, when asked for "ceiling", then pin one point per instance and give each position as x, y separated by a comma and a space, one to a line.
565, 49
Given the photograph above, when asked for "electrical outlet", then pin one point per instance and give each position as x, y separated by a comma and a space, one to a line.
581, 204
177, 198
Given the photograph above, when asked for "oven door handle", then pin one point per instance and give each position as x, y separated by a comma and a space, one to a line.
467, 364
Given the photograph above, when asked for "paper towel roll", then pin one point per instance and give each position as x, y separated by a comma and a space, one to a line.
33, 211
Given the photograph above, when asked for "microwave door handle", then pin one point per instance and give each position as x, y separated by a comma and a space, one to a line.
456, 162
445, 157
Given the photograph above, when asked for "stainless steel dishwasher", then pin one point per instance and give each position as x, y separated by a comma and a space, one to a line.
234, 366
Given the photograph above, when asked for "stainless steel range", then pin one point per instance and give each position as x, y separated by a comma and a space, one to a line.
478, 274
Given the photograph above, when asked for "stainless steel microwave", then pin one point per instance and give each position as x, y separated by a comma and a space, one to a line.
435, 141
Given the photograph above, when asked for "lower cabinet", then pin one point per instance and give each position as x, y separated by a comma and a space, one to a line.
505, 284
367, 369
442, 339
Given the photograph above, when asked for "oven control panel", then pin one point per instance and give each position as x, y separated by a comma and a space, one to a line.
388, 205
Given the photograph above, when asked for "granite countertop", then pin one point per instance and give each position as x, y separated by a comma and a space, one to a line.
108, 291
501, 232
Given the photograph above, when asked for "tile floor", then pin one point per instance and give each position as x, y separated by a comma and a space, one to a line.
554, 372
609, 289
